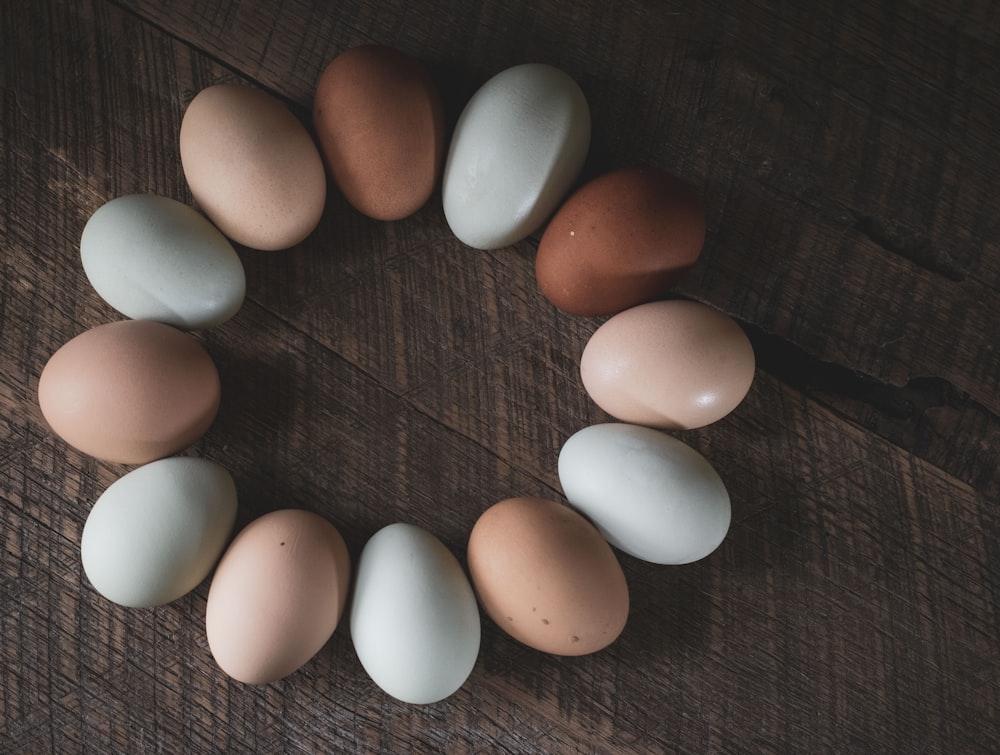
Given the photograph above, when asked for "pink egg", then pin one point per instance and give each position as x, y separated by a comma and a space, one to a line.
668, 364
277, 595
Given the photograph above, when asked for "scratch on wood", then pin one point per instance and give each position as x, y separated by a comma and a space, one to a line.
911, 246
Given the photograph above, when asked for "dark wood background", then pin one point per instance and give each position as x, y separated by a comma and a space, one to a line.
847, 152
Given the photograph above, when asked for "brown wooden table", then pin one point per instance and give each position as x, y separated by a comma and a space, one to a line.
848, 155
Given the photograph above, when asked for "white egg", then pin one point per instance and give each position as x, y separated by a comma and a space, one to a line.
414, 616
153, 258
516, 149
648, 493
156, 533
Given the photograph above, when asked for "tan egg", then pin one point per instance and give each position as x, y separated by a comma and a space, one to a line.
277, 595
252, 167
669, 364
380, 125
130, 391
622, 239
545, 575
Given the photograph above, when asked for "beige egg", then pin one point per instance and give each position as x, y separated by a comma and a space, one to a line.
130, 391
545, 575
669, 365
277, 595
252, 167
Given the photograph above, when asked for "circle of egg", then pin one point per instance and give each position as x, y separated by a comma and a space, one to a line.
141, 390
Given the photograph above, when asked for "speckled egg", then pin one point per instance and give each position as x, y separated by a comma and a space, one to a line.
545, 575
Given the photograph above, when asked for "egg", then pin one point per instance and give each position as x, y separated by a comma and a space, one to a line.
622, 239
648, 493
130, 391
516, 150
414, 617
153, 258
252, 167
545, 575
668, 364
380, 126
156, 533
277, 595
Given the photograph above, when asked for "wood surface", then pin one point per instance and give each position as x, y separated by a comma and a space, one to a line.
847, 153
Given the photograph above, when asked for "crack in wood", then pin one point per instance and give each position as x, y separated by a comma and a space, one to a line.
794, 366
928, 416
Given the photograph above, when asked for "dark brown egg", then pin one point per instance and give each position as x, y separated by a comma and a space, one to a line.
380, 126
622, 239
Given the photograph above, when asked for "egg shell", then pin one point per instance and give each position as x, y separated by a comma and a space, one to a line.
252, 166
156, 533
130, 391
648, 493
153, 258
380, 126
622, 239
414, 617
516, 150
277, 595
668, 364
545, 575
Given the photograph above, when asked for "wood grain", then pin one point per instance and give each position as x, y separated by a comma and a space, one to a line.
384, 372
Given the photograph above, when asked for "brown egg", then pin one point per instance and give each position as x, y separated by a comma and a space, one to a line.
252, 167
277, 595
130, 391
545, 575
380, 125
668, 364
622, 239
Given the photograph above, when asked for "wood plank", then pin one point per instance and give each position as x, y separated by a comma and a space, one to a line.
980, 21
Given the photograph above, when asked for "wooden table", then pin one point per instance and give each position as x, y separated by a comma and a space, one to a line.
847, 153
